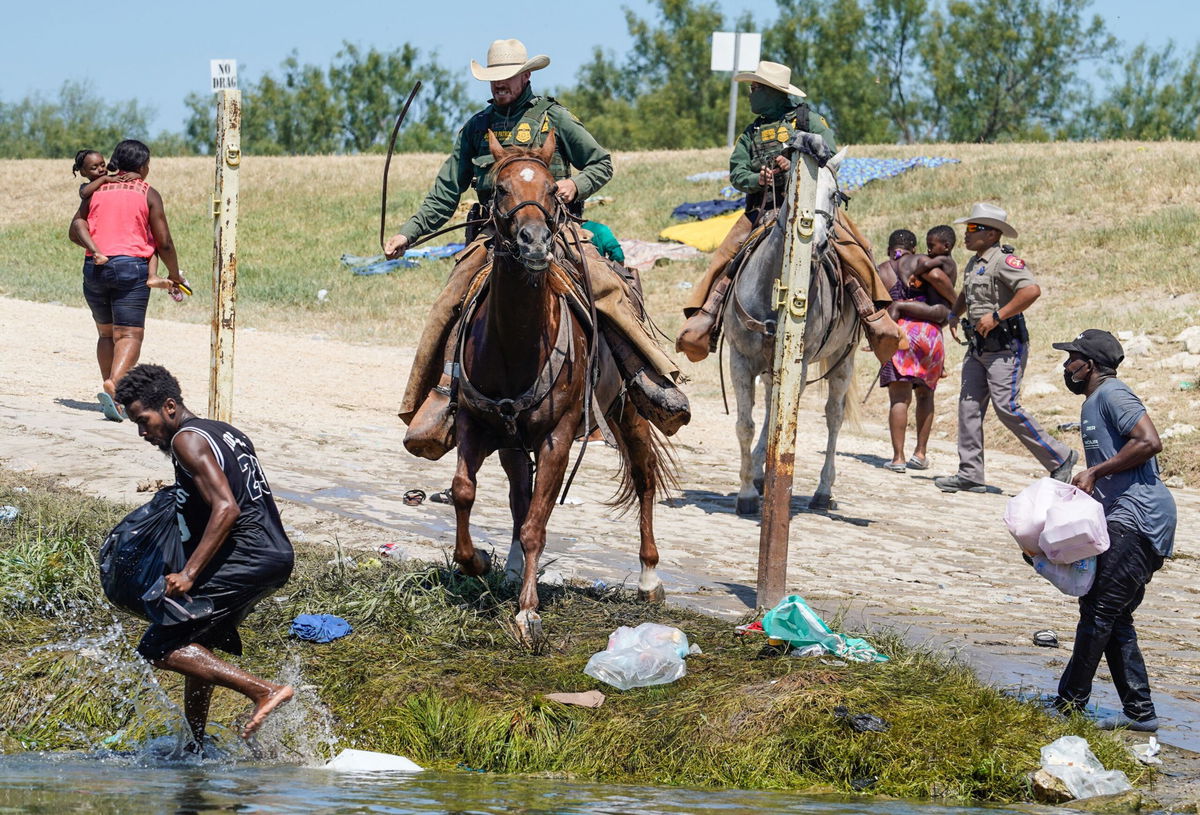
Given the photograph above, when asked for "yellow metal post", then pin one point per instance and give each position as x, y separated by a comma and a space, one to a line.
788, 382
225, 217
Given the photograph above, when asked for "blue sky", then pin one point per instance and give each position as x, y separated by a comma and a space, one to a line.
158, 52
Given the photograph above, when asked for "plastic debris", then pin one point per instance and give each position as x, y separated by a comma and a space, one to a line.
1071, 760
860, 722
320, 627
794, 622
392, 551
591, 698
1147, 753
650, 654
9, 513
366, 761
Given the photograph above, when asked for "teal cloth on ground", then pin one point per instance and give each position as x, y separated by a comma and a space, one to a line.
605, 242
797, 624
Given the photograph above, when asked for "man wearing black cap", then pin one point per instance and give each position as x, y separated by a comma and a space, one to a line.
1119, 443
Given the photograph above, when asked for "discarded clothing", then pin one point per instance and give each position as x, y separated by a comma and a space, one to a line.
320, 627
701, 210
854, 173
641, 255
605, 242
704, 235
711, 175
794, 622
591, 698
377, 264
449, 250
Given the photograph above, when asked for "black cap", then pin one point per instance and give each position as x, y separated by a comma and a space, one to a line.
1097, 345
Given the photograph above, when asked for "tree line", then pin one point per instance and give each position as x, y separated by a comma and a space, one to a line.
878, 70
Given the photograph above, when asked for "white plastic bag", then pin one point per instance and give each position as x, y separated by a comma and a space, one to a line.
1025, 512
650, 654
1071, 760
1075, 528
1074, 579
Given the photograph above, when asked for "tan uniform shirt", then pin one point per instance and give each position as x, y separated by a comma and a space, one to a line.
991, 279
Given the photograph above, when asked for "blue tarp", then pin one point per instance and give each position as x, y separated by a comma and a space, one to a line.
701, 210
320, 627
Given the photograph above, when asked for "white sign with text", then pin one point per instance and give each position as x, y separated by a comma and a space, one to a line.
224, 74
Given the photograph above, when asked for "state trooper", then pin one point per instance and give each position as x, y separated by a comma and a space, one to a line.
520, 118
997, 289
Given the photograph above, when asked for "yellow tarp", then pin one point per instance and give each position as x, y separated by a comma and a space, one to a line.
705, 235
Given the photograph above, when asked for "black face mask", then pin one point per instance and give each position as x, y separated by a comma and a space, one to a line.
1077, 388
764, 99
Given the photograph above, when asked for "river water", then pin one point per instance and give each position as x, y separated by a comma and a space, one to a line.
110, 783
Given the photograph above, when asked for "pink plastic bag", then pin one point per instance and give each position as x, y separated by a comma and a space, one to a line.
1075, 529
1025, 513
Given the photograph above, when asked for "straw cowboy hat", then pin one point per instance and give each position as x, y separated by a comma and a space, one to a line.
506, 59
989, 215
773, 75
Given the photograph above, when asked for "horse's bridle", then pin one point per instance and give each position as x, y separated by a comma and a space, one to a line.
553, 219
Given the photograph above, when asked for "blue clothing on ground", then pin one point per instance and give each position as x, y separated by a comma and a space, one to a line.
1135, 498
702, 210
320, 627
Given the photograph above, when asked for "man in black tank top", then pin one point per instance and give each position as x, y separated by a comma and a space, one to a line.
237, 551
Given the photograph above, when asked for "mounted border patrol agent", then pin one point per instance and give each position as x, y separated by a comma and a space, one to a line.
997, 289
758, 168
519, 118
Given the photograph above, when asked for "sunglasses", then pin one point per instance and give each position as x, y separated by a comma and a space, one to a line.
978, 228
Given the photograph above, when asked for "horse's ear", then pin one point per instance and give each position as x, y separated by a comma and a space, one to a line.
834, 162
546, 152
494, 145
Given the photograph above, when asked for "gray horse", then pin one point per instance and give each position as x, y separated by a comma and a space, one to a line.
831, 334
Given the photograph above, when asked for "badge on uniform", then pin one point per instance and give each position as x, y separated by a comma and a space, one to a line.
781, 135
501, 136
768, 134
1015, 262
524, 133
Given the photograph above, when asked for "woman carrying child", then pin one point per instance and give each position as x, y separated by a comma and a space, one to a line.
122, 225
922, 289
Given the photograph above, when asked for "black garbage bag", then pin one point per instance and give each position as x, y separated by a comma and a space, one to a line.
139, 551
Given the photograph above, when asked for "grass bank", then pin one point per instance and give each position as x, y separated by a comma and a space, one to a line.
1109, 228
432, 672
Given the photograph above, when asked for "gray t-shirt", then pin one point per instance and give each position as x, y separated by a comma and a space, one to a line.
1136, 498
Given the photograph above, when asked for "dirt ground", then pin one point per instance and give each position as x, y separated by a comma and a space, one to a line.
894, 552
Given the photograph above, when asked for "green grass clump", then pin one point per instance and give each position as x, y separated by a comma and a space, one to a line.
433, 671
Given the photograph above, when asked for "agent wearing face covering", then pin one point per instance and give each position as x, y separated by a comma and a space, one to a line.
759, 168
1120, 443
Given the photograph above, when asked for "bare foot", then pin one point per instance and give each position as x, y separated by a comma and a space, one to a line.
265, 708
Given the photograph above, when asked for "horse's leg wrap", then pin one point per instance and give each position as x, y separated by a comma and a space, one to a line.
655, 396
884, 336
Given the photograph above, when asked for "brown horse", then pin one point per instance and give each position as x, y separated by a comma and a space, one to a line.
523, 359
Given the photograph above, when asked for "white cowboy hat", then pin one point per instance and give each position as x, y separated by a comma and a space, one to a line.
989, 215
506, 59
773, 75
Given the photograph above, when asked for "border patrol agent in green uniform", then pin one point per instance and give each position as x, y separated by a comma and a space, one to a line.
997, 288
519, 118
759, 168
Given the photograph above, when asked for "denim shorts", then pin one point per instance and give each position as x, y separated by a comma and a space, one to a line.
116, 291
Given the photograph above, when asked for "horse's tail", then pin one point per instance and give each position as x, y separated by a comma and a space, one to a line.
660, 464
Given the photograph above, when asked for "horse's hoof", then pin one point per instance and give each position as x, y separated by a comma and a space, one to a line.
820, 503
656, 596
529, 627
477, 566
747, 506
758, 485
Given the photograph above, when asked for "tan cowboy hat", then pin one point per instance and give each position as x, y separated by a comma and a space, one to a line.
989, 215
506, 59
773, 75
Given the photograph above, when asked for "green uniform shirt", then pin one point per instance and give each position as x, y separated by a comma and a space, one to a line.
520, 124
991, 279
764, 139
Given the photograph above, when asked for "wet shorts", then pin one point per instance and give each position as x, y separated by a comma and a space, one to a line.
117, 292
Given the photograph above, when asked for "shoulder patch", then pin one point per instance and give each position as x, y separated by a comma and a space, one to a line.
1015, 262
768, 134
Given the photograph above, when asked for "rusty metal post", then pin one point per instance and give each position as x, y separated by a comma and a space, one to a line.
792, 302
225, 218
